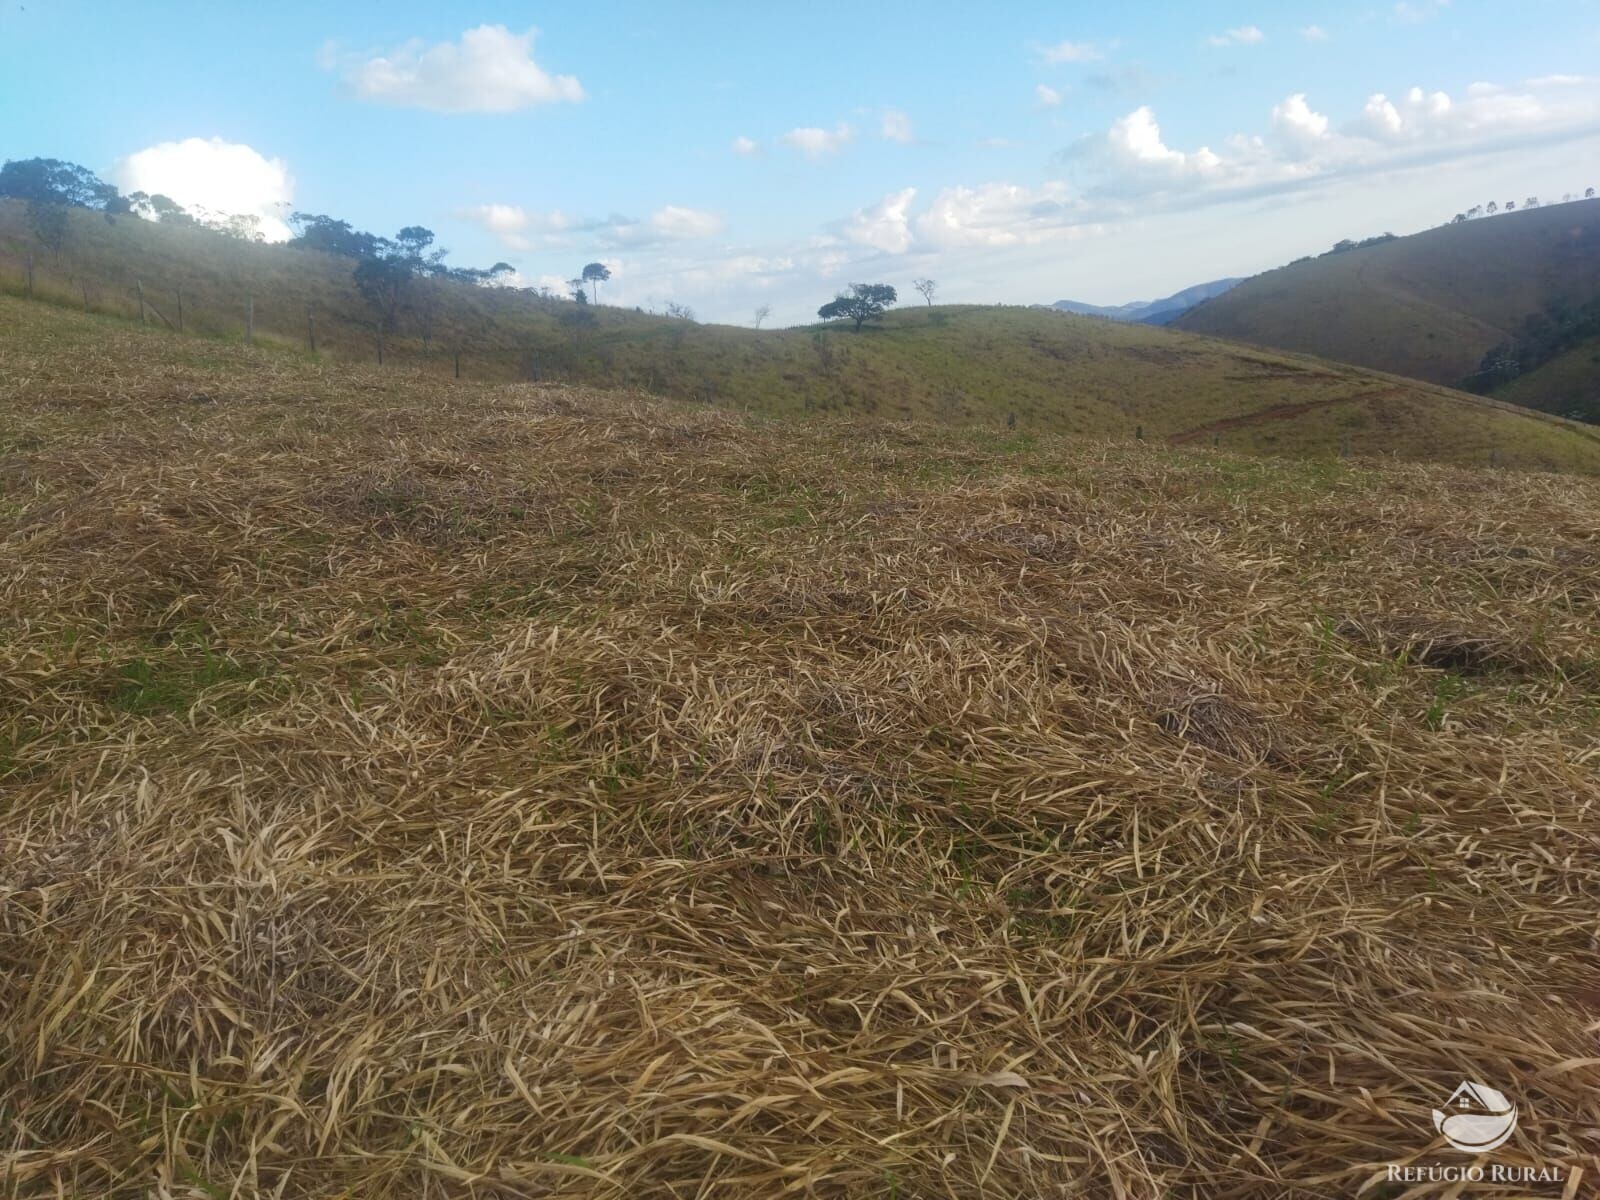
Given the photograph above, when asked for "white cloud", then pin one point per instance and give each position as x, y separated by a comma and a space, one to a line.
1314, 33
886, 225
1380, 118
1296, 125
1245, 35
1070, 52
1554, 81
1047, 95
490, 69
675, 223
897, 127
1131, 161
1135, 143
817, 143
996, 215
745, 147
519, 229
226, 178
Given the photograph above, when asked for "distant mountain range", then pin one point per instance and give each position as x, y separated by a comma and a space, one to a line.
1150, 312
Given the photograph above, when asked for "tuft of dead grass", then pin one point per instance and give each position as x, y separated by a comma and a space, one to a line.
412, 790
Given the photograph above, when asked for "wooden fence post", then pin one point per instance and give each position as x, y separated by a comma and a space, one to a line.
85, 286
1138, 433
458, 364
140, 288
1344, 446
249, 320
180, 310
30, 275
311, 331
380, 345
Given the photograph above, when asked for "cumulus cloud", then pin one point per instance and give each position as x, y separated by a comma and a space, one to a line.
1296, 125
896, 127
1245, 35
817, 143
1135, 144
1301, 144
1047, 96
1314, 33
224, 178
519, 229
745, 147
676, 223
996, 215
489, 70
1070, 52
886, 226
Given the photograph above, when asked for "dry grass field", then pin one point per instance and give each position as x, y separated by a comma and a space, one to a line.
412, 789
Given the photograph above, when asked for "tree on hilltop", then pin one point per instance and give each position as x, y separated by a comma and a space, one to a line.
313, 231
595, 273
52, 181
387, 274
862, 303
48, 187
927, 287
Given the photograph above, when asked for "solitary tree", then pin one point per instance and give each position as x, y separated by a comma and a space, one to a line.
762, 313
1493, 208
862, 303
927, 287
1588, 193
1511, 205
596, 273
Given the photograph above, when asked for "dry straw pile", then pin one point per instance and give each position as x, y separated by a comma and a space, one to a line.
423, 791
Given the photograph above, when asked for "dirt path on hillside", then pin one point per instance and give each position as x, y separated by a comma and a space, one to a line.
1279, 412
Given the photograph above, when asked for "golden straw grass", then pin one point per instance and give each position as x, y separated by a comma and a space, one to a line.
414, 790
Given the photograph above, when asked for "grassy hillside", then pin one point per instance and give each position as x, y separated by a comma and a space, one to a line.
1000, 368
411, 788
1568, 385
1427, 306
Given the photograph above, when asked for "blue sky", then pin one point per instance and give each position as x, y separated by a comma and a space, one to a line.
1024, 155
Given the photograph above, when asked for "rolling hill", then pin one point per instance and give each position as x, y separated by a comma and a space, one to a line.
1002, 368
412, 788
1432, 305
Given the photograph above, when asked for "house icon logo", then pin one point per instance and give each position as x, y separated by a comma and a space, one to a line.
1476, 1118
